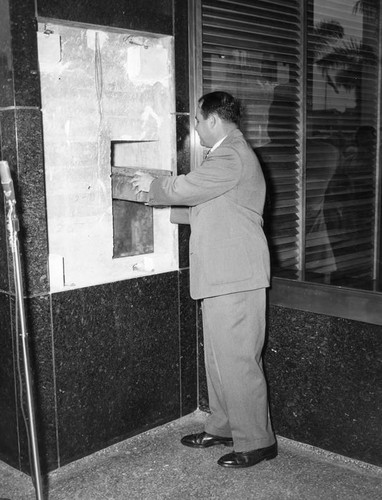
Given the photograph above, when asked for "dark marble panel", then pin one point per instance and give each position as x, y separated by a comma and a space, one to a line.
38, 312
188, 345
6, 74
184, 232
183, 167
21, 146
144, 15
325, 378
182, 74
8, 139
38, 358
4, 256
8, 414
117, 361
9, 154
30, 190
24, 53
183, 143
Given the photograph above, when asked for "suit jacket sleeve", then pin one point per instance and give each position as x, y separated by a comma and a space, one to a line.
218, 173
180, 215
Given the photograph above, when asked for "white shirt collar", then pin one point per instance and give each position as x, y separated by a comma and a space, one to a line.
217, 144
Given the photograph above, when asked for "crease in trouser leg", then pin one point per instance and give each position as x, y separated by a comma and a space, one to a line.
234, 337
217, 423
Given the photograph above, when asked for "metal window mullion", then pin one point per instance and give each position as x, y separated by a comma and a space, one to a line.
195, 54
302, 139
195, 85
378, 176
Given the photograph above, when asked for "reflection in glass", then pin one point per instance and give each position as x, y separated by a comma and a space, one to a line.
341, 145
311, 114
254, 50
322, 161
279, 159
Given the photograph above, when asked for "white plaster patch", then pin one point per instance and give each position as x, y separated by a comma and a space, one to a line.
49, 50
150, 113
91, 37
133, 64
56, 269
135, 107
148, 65
67, 128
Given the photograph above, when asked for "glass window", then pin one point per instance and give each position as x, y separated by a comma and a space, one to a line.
254, 51
307, 75
341, 131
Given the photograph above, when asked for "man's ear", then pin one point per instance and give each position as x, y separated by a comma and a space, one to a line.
213, 120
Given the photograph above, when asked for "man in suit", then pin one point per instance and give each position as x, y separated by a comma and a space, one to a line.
229, 272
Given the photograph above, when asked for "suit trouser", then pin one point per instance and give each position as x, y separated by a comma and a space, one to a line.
234, 331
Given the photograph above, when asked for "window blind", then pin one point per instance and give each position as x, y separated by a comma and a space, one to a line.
342, 99
254, 51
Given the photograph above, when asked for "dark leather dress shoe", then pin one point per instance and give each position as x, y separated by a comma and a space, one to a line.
248, 458
204, 440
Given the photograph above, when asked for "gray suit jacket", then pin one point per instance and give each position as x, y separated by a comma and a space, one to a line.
228, 248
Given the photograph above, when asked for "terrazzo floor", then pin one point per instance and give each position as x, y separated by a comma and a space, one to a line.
155, 466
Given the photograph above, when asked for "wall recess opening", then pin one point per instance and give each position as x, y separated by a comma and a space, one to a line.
133, 232
108, 109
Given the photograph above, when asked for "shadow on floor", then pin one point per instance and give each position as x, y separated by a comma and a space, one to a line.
155, 466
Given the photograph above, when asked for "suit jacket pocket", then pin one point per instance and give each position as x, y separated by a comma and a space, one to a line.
227, 262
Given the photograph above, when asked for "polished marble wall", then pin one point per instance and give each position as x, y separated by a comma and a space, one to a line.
325, 378
325, 382
112, 360
109, 360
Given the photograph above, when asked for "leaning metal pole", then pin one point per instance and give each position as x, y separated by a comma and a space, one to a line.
13, 228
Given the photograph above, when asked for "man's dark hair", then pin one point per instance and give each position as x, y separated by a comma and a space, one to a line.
223, 104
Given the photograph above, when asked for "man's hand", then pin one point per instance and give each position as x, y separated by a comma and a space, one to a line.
141, 182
